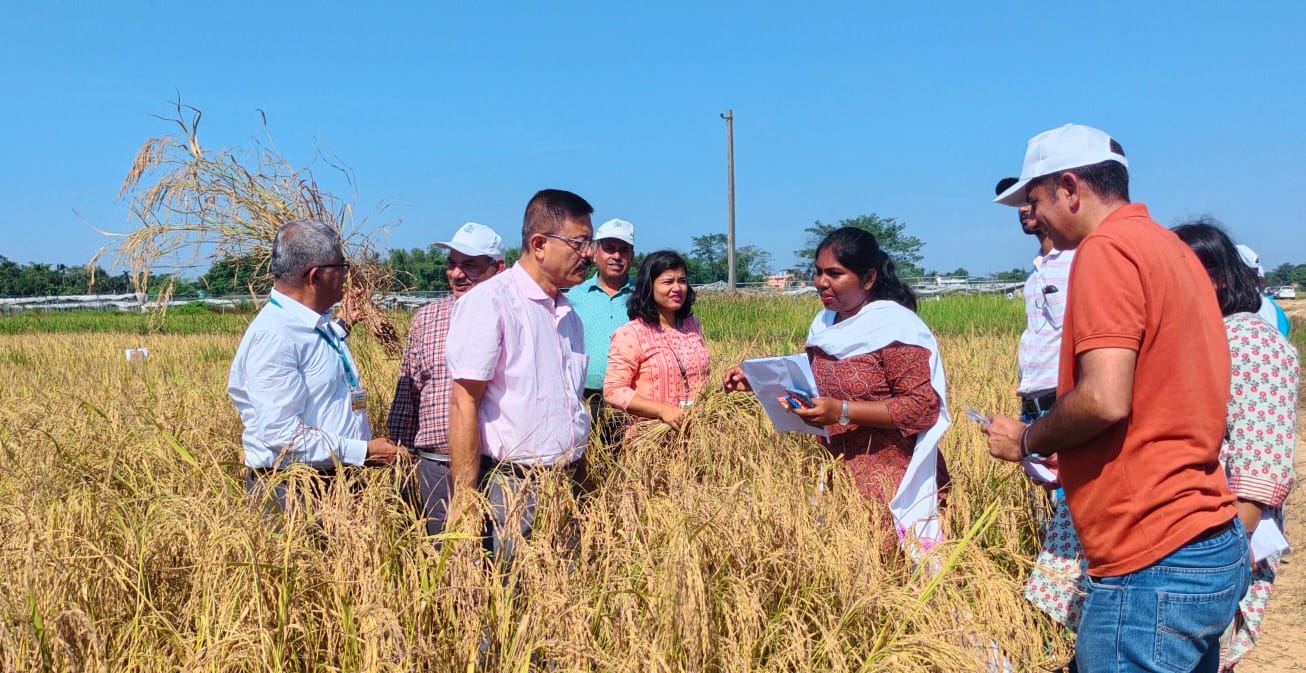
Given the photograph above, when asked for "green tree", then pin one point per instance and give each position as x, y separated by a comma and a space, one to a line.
1015, 275
418, 269
234, 275
891, 234
38, 280
1286, 274
708, 261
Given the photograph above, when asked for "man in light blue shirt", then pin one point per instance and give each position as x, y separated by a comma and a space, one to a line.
601, 304
293, 380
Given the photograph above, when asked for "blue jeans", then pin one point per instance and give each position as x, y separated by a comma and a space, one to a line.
1169, 616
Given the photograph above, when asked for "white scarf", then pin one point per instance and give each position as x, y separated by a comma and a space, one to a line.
915, 506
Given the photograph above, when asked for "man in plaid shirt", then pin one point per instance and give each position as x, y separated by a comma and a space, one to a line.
419, 417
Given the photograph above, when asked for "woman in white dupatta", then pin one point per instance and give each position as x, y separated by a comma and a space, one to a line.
882, 392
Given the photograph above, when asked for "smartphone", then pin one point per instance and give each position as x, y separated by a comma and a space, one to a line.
797, 398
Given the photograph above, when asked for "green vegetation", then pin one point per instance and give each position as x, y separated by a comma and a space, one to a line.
40, 280
181, 320
775, 319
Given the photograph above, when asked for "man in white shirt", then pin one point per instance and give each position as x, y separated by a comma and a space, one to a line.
516, 353
1039, 352
293, 379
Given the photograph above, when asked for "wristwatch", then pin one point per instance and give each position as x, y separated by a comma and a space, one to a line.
344, 326
843, 417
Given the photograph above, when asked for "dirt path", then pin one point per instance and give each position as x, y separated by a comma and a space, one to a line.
1282, 645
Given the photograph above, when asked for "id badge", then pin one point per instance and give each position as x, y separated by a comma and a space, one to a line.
358, 399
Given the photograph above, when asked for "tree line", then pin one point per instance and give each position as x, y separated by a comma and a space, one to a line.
44, 280
1286, 274
423, 269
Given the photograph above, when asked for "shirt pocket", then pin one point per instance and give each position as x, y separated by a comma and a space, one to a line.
1054, 308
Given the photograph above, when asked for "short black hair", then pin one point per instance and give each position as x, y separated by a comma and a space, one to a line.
1004, 184
548, 210
641, 304
1108, 179
1235, 283
859, 252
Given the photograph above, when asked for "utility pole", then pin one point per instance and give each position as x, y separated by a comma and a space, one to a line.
729, 116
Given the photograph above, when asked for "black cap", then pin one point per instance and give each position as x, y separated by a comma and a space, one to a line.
1004, 184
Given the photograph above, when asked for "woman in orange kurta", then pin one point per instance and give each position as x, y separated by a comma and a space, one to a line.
657, 363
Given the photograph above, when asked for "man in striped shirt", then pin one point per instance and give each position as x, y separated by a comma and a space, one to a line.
1045, 304
419, 416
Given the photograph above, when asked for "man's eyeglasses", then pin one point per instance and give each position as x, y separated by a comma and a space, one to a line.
342, 265
582, 246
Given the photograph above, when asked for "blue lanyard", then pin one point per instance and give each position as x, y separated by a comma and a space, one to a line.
349, 371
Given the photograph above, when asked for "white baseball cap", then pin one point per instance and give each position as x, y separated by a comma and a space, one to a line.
476, 239
1251, 259
1060, 149
618, 229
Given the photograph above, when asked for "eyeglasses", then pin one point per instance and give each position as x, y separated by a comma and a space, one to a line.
343, 265
582, 246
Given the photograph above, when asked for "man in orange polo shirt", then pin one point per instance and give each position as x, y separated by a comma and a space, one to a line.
1139, 418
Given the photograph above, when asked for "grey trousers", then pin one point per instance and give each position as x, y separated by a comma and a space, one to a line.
431, 489
272, 496
513, 492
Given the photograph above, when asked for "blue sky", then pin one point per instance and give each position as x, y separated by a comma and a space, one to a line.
456, 112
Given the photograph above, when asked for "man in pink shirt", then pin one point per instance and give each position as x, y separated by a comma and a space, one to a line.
516, 354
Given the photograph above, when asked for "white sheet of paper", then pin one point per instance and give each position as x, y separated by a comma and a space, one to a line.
1267, 539
1038, 471
770, 377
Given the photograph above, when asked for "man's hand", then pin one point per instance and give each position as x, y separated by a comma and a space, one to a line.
1052, 464
381, 451
1004, 438
736, 381
351, 306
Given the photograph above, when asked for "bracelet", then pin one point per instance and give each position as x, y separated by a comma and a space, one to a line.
1024, 447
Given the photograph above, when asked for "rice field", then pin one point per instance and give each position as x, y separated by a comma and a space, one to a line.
128, 545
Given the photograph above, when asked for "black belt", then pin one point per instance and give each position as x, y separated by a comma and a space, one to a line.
1033, 406
1213, 531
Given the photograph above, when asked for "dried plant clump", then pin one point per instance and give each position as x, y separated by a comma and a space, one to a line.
192, 206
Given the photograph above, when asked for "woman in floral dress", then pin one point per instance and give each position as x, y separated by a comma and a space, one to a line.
881, 383
657, 362
1257, 453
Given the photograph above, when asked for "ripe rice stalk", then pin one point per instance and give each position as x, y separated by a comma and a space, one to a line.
191, 206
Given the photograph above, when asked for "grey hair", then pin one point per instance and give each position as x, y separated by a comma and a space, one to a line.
301, 245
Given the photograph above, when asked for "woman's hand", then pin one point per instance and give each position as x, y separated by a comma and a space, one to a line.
736, 381
824, 411
672, 415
